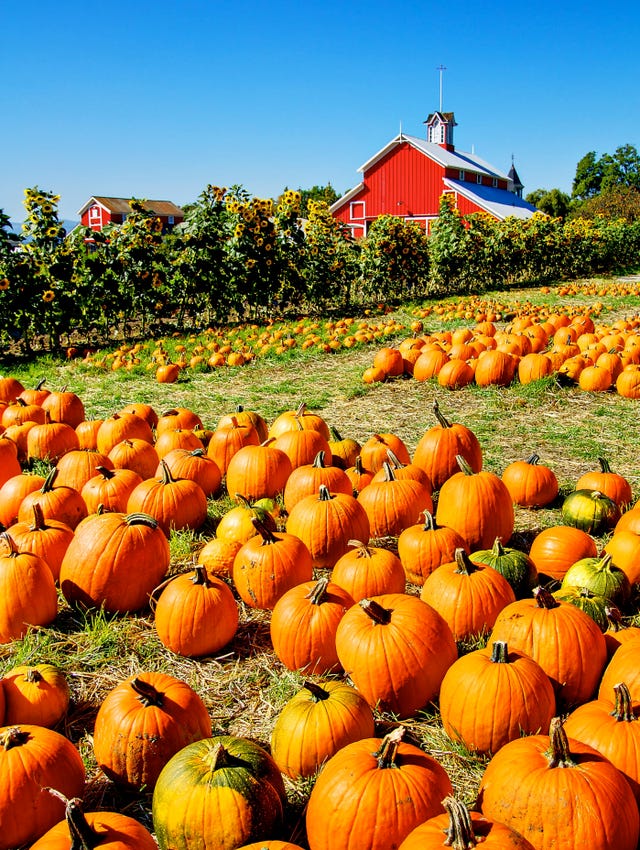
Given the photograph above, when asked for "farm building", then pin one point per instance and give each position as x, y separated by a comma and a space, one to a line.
409, 175
100, 211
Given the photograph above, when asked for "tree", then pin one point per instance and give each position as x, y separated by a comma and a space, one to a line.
588, 177
594, 175
553, 202
617, 202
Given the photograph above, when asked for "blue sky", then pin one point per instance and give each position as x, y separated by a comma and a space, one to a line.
158, 99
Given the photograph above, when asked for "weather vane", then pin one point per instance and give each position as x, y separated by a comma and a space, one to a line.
441, 68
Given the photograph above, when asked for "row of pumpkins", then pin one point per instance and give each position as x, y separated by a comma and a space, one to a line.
544, 656
595, 358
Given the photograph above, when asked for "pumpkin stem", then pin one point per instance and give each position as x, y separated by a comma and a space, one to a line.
533, 459
429, 521
623, 708
500, 652
14, 736
363, 549
389, 474
165, 475
39, 523
544, 598
337, 437
268, 537
559, 754
83, 836
386, 755
460, 834
301, 409
465, 566
8, 539
614, 618
604, 464
48, 481
381, 616
444, 423
324, 495
33, 675
106, 472
318, 694
318, 593
147, 694
318, 462
464, 465
141, 519
200, 575
497, 549
394, 460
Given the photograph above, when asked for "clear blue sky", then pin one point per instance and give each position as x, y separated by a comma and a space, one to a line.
158, 99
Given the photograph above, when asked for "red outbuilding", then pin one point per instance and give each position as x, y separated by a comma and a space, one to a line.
409, 175
100, 211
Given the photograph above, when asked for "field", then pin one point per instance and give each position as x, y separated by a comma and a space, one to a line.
245, 686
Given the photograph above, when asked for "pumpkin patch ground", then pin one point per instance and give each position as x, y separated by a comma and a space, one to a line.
97, 644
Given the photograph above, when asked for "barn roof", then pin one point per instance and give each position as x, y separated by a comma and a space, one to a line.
121, 205
499, 202
459, 160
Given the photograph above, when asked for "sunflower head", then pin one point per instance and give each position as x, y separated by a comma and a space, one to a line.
48, 295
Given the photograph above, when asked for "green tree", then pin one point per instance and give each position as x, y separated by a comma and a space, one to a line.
553, 202
327, 194
618, 202
588, 179
621, 169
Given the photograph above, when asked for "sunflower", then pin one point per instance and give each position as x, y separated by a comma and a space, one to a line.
48, 296
4, 284
47, 208
52, 231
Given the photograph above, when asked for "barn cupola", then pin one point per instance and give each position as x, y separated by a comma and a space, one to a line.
440, 129
515, 184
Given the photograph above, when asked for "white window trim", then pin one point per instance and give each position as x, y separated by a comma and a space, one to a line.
357, 205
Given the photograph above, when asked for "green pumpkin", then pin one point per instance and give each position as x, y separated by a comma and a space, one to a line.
516, 566
601, 577
593, 605
217, 794
591, 511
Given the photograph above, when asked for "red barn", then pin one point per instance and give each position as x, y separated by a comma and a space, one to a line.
409, 175
100, 211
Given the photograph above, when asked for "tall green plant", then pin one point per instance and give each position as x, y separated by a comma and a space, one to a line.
331, 265
394, 261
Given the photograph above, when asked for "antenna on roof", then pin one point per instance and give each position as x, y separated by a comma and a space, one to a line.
401, 128
441, 68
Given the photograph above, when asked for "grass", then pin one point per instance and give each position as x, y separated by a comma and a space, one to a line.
245, 686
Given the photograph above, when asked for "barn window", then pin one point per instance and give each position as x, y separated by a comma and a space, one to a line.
357, 209
461, 174
170, 219
478, 178
494, 182
94, 212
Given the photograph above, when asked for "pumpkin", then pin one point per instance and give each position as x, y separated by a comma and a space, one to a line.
368, 571
593, 605
135, 454
47, 538
85, 831
9, 463
302, 445
389, 360
226, 441
178, 417
303, 625
35, 395
315, 723
374, 452
96, 569
477, 505
495, 367
455, 374
196, 614
49, 442
516, 566
359, 476
37, 694
270, 844
612, 484
468, 595
19, 412
305, 481
624, 548
229, 786
236, 525
256, 472
326, 522
393, 504
559, 792
611, 728
27, 592
122, 426
396, 649
623, 667
87, 433
142, 723
558, 636
217, 556
13, 491
268, 565
292, 420
32, 758
425, 546
600, 576
60, 503
590, 511
556, 548
243, 416
64, 406
177, 438
383, 788
76, 467
195, 465
10, 389
491, 696
175, 503
144, 411
531, 484
344, 450
617, 631
109, 488
463, 830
